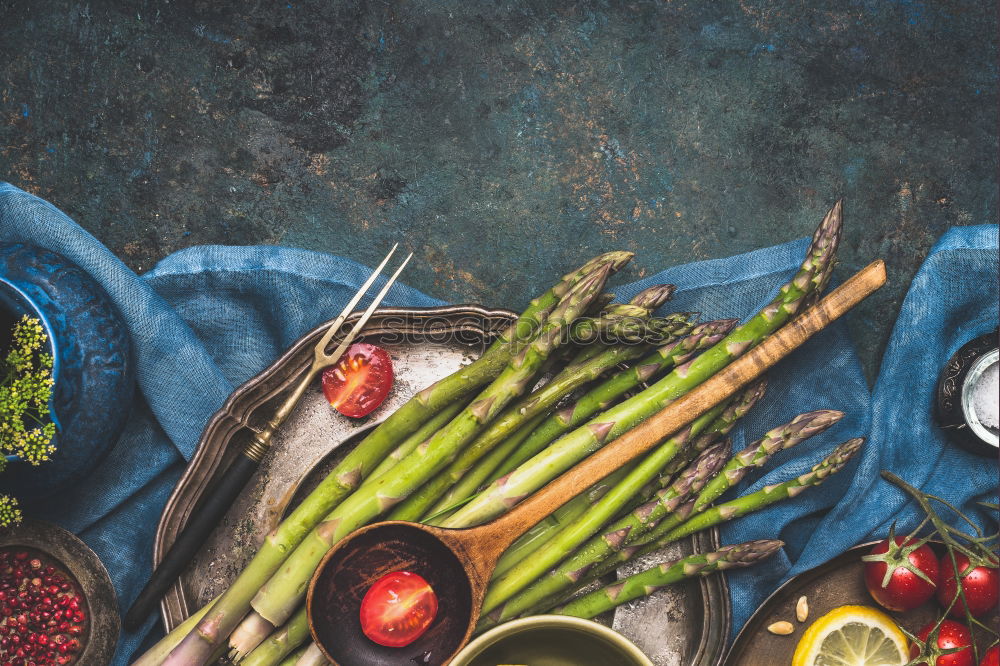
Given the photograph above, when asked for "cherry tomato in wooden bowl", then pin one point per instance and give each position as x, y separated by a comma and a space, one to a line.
952, 635
360, 380
899, 576
981, 587
398, 608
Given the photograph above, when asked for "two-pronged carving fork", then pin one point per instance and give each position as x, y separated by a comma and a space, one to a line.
222, 495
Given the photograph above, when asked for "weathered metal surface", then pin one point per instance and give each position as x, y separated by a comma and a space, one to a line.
684, 626
506, 141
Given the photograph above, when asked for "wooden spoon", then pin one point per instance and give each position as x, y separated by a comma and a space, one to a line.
458, 563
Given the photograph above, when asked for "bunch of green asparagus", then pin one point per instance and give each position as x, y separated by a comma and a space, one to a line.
572, 373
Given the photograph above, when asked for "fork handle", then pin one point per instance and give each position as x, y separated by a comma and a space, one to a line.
209, 512
260, 442
205, 517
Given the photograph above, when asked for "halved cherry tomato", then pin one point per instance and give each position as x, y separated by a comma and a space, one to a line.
360, 381
398, 609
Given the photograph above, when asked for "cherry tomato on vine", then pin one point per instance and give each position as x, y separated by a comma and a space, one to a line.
398, 609
359, 381
981, 587
891, 573
952, 635
992, 657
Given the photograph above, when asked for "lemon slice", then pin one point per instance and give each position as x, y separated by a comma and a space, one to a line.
852, 636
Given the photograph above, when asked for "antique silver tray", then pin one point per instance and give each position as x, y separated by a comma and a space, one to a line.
683, 626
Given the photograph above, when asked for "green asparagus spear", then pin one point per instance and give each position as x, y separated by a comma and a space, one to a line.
602, 396
555, 521
280, 595
568, 572
312, 656
437, 422
755, 455
293, 658
734, 411
279, 644
573, 376
432, 498
578, 444
764, 497
626, 323
656, 578
599, 303
653, 297
800, 428
156, 654
641, 306
549, 525
577, 532
476, 477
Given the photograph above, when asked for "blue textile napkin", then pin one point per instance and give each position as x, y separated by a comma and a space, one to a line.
206, 317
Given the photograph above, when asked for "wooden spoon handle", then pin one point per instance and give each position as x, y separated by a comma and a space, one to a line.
500, 533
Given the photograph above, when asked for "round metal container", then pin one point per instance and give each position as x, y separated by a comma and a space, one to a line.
965, 402
974, 389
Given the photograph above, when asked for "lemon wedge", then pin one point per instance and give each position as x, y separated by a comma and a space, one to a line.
852, 636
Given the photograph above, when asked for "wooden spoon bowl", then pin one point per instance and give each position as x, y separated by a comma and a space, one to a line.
353, 566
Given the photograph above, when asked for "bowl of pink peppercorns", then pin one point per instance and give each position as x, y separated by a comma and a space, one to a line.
57, 603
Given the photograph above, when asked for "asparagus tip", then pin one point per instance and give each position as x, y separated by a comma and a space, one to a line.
653, 297
751, 552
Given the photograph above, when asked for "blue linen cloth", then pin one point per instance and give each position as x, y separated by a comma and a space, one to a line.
205, 317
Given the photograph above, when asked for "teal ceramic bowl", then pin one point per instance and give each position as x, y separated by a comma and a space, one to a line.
551, 640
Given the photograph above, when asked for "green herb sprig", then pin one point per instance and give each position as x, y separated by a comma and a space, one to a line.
9, 513
26, 387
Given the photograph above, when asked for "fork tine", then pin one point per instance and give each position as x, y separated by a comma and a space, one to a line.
349, 308
338, 352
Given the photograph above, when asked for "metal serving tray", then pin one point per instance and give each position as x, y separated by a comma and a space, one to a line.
683, 626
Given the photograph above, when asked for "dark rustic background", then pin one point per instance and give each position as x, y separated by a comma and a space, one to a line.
504, 142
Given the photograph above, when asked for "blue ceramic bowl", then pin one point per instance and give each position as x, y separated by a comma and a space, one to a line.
92, 364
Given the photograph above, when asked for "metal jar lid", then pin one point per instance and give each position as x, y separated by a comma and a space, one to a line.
967, 401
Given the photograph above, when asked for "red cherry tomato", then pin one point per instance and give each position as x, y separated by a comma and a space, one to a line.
360, 380
904, 589
953, 635
981, 587
398, 609
992, 657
